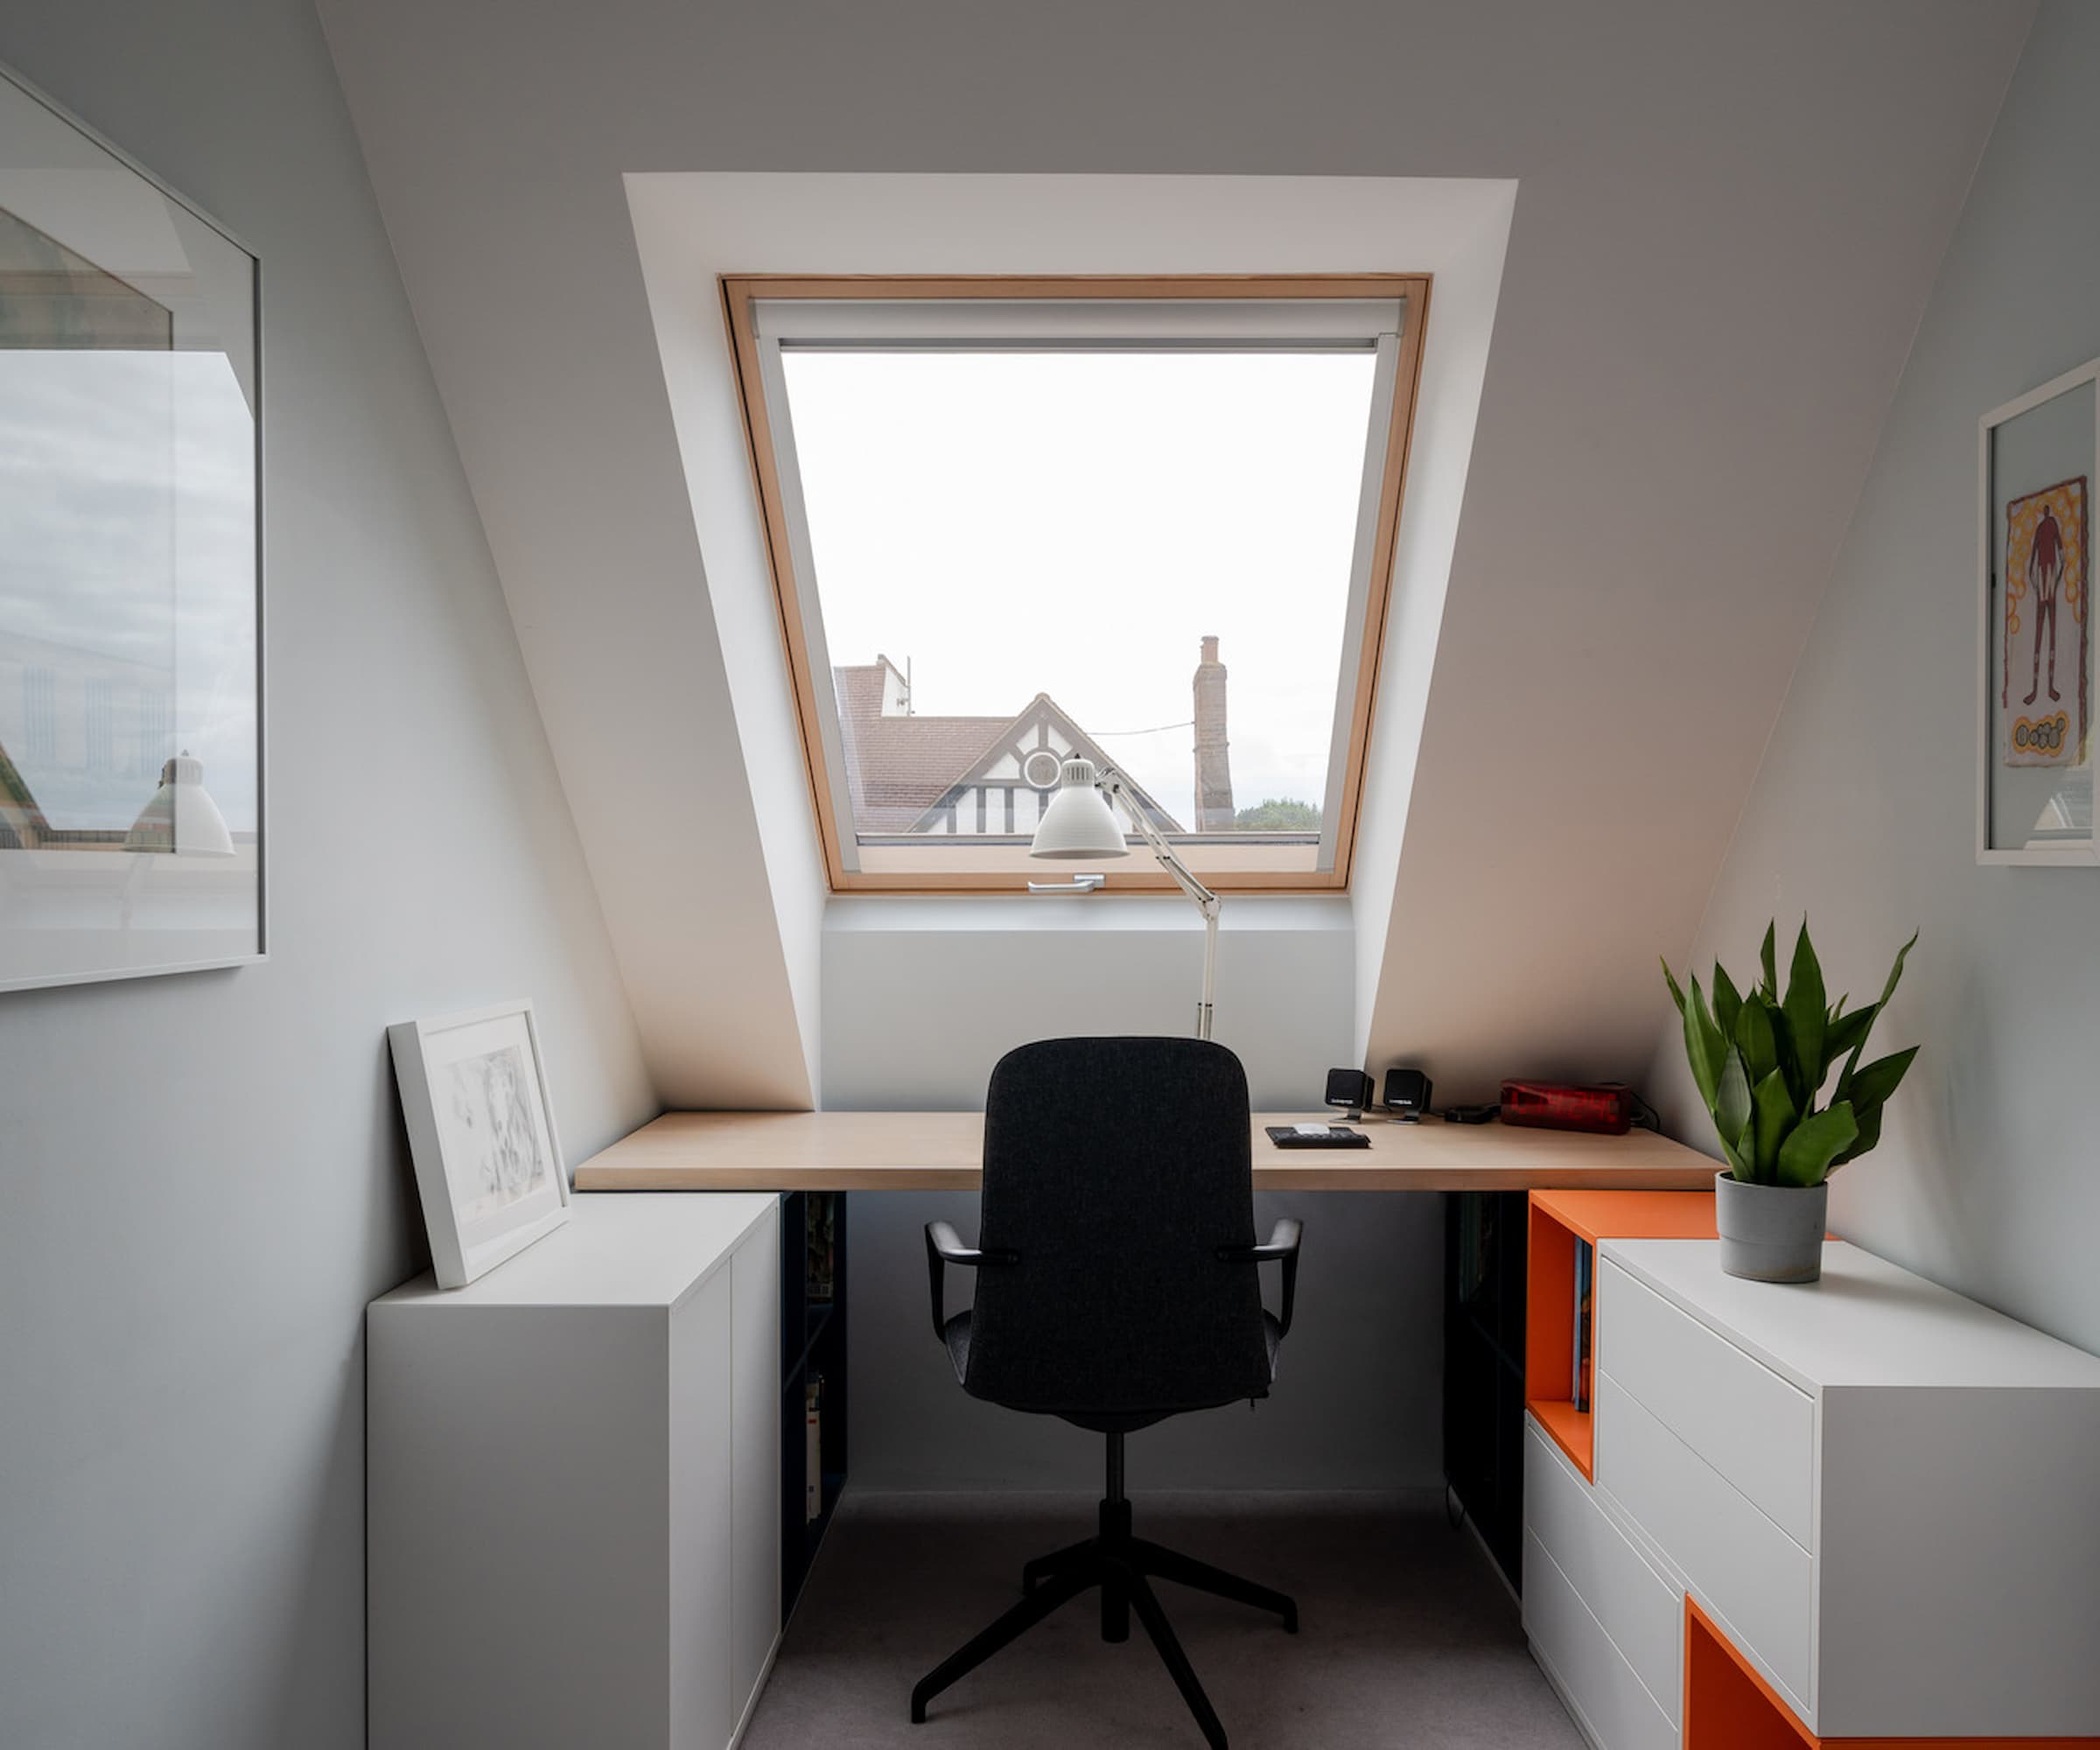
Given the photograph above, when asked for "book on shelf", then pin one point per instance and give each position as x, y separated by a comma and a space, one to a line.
1585, 1283
813, 1448
820, 1262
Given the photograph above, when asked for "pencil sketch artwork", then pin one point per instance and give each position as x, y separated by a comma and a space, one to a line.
493, 1150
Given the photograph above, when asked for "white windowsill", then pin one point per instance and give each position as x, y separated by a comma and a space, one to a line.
961, 914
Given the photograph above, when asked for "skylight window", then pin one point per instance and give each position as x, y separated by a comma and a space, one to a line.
1147, 524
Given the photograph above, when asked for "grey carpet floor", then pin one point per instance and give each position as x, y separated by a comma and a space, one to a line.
1408, 1638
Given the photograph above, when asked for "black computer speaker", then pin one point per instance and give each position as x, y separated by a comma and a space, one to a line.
1350, 1088
1406, 1092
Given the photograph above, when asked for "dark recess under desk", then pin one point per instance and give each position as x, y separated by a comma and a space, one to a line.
1484, 1278
813, 1344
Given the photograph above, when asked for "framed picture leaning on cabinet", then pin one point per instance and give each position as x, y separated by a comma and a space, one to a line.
131, 794
2034, 769
488, 1162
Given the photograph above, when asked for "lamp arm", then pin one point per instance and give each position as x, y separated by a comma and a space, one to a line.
1113, 785
1117, 788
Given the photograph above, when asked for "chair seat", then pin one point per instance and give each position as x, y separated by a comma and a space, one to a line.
956, 1334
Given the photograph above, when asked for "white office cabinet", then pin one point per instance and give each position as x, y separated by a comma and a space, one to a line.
1603, 1623
1756, 1429
1752, 1577
1602, 1689
754, 1426
572, 1485
1885, 1497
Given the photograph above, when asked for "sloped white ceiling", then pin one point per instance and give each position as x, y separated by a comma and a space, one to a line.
1727, 223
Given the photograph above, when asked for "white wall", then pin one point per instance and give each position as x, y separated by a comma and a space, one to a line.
1988, 1175
923, 996
202, 1178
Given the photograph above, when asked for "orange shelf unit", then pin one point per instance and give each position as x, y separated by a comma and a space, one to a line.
1559, 1220
1729, 1706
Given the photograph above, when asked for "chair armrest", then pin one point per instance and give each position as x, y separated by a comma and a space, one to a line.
943, 1247
1282, 1247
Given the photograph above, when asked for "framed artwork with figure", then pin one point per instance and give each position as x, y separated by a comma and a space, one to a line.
488, 1162
2034, 771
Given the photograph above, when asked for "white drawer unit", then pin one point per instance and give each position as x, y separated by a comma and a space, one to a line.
1754, 1428
1638, 1607
1753, 1579
1884, 1496
572, 1486
1602, 1690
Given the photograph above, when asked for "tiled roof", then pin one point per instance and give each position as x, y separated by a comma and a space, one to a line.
898, 767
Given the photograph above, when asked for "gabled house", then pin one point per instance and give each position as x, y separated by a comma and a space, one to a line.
911, 774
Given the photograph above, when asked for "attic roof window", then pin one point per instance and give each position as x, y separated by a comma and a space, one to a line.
1145, 522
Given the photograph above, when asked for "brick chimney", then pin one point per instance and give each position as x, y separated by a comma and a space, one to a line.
1213, 763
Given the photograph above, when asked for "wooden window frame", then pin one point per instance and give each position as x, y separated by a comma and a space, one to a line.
741, 293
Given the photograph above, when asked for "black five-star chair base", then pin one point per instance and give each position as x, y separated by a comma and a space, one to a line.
1122, 1565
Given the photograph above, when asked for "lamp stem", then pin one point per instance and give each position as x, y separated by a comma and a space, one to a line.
1111, 781
1210, 966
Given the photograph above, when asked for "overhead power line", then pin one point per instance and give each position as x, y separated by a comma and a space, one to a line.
1158, 728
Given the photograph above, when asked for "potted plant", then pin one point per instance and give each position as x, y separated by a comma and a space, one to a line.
1760, 1060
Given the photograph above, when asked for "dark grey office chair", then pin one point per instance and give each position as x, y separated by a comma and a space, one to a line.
1116, 1286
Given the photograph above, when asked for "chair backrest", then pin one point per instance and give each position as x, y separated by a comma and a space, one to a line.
1116, 1168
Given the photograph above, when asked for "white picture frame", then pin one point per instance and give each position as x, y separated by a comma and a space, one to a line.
133, 797
1998, 841
488, 1159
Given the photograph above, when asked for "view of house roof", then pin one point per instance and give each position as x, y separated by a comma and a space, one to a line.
900, 768
897, 768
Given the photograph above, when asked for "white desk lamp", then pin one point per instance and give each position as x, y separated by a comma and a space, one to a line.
181, 816
1078, 823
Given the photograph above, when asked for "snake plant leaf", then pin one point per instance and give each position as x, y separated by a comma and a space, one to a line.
1703, 1046
1727, 1000
1871, 1085
1775, 1122
1847, 1030
1676, 992
1732, 1100
1805, 1157
1769, 955
1788, 1055
1874, 1082
1851, 1067
1870, 1134
1754, 1037
1805, 1011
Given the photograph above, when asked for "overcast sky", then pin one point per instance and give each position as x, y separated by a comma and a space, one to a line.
1076, 524
126, 496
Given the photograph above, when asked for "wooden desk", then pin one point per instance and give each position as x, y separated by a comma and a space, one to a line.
945, 1151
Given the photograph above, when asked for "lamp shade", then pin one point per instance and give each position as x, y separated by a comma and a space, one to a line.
181, 815
1078, 822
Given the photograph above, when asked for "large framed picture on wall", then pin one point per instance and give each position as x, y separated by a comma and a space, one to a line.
2034, 769
131, 794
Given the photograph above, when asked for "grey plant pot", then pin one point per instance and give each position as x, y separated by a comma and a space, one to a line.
1770, 1233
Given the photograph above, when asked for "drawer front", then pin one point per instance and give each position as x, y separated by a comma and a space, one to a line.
1743, 1567
1640, 1610
1615, 1707
1754, 1428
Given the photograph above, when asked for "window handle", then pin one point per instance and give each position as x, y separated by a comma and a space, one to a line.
1078, 883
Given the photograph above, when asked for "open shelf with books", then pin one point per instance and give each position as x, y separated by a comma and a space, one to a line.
813, 1378
1559, 1306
